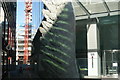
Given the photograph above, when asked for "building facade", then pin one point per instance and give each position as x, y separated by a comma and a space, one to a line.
20, 44
8, 25
24, 35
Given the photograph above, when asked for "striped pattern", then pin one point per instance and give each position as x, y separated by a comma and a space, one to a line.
57, 46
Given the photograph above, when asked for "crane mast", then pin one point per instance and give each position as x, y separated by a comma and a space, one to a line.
28, 20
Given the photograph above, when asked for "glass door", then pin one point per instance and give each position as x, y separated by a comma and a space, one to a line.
110, 63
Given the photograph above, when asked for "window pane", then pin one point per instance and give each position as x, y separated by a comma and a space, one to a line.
113, 6
78, 10
95, 7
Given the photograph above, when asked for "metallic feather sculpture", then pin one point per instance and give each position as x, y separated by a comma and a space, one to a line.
57, 43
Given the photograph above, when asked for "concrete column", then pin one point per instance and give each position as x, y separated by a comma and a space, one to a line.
93, 48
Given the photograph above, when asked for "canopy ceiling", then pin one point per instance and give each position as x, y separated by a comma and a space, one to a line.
84, 9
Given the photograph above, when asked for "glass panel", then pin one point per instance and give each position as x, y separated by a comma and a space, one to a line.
115, 56
108, 56
90, 1
112, 0
78, 10
110, 64
82, 66
113, 6
94, 6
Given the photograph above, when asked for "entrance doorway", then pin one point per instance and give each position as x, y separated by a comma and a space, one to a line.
110, 63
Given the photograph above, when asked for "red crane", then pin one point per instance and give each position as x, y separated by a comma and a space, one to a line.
28, 15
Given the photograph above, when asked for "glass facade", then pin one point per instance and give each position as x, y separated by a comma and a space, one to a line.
108, 53
37, 15
110, 63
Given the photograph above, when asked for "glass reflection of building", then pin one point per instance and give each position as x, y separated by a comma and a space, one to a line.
97, 32
7, 25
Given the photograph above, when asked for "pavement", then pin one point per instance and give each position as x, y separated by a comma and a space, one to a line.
26, 74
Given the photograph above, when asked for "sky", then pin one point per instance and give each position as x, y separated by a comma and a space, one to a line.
20, 12
36, 14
